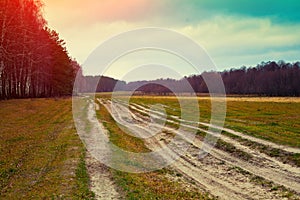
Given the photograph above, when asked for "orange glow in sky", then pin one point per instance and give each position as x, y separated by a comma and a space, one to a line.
233, 34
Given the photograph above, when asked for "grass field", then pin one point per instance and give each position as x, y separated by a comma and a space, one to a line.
41, 156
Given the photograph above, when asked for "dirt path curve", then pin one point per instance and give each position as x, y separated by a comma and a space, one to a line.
215, 177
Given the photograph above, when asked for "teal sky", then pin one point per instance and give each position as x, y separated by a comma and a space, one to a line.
234, 33
279, 11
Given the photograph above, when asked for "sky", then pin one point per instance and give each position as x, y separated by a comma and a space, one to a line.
234, 33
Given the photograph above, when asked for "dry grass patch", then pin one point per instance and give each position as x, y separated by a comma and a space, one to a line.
40, 151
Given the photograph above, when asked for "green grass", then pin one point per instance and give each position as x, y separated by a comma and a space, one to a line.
40, 153
83, 180
274, 121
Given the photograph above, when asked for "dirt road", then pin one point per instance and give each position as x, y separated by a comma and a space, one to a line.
101, 181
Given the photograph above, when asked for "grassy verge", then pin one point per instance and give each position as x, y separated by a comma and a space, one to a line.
40, 153
83, 180
153, 185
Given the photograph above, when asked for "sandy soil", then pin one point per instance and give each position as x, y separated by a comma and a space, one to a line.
102, 183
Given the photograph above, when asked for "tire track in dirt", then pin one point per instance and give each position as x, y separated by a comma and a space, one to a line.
277, 175
202, 178
256, 153
258, 156
145, 110
283, 174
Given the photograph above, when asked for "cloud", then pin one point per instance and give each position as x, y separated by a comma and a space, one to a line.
230, 41
85, 13
233, 33
233, 37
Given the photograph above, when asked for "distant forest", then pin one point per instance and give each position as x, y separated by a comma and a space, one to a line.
33, 59
266, 79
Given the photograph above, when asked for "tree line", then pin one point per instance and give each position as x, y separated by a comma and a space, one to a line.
266, 79
34, 61
101, 83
